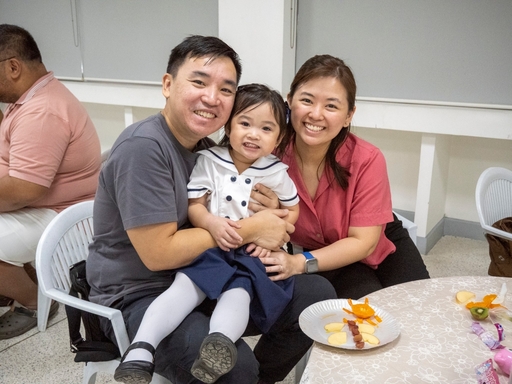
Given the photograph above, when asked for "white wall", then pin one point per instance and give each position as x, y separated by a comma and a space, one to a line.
402, 152
109, 120
262, 33
468, 158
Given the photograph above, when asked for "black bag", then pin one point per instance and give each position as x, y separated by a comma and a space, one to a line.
500, 250
96, 346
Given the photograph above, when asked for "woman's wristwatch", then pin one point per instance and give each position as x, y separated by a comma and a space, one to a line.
311, 263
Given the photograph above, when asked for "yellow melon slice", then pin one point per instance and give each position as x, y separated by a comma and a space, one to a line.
370, 338
366, 328
338, 338
334, 327
463, 296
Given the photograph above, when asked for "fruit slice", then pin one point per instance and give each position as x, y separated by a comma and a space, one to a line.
463, 296
479, 313
366, 328
334, 327
370, 338
338, 338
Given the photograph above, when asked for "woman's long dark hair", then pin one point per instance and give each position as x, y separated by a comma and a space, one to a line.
317, 67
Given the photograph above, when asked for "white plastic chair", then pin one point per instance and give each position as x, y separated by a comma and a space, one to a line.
104, 156
494, 199
411, 227
64, 242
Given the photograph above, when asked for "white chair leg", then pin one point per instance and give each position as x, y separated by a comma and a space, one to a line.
92, 368
301, 366
90, 372
43, 310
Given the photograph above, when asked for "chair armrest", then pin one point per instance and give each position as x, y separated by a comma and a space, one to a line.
114, 315
497, 232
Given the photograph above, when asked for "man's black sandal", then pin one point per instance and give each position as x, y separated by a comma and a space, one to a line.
136, 371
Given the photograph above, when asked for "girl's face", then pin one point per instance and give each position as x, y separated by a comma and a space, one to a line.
319, 111
253, 133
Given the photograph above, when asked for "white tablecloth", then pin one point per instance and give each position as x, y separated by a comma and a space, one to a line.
436, 344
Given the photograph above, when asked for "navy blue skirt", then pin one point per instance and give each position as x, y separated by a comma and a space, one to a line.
216, 271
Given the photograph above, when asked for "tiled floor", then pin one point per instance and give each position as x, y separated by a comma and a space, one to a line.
44, 357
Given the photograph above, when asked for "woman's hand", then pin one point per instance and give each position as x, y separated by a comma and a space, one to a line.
265, 197
283, 265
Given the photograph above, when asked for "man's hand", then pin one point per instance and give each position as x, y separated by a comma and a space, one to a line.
265, 197
256, 251
267, 229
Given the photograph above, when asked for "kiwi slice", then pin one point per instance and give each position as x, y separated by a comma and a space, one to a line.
479, 313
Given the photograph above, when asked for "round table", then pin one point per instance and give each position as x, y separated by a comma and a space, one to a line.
436, 343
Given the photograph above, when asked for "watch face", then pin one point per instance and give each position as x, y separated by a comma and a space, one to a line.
311, 265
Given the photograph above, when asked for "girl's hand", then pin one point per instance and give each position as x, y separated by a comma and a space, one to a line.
223, 232
283, 265
264, 197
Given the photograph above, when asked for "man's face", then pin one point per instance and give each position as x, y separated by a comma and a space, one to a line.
199, 98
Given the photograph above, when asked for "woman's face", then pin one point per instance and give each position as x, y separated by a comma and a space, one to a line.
319, 110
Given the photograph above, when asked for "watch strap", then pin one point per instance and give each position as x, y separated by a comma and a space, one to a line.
311, 264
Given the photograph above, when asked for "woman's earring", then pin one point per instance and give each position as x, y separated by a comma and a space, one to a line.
288, 112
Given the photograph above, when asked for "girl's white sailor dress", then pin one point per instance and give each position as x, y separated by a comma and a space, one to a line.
215, 270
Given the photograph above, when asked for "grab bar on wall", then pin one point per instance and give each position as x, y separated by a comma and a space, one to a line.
293, 22
76, 33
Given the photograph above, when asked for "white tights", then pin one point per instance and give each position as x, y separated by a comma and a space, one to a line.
168, 310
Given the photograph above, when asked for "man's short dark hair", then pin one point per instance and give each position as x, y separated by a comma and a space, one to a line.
200, 46
17, 42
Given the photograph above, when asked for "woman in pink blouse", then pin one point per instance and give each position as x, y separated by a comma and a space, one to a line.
346, 229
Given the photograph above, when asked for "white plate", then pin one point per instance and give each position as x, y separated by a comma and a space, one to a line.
313, 319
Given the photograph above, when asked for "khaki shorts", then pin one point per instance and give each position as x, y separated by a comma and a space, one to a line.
20, 232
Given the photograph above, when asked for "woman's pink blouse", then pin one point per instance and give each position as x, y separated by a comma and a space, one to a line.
367, 201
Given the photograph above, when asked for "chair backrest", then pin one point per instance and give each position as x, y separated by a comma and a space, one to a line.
65, 242
493, 196
104, 157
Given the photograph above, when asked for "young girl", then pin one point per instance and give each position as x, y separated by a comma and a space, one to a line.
219, 192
